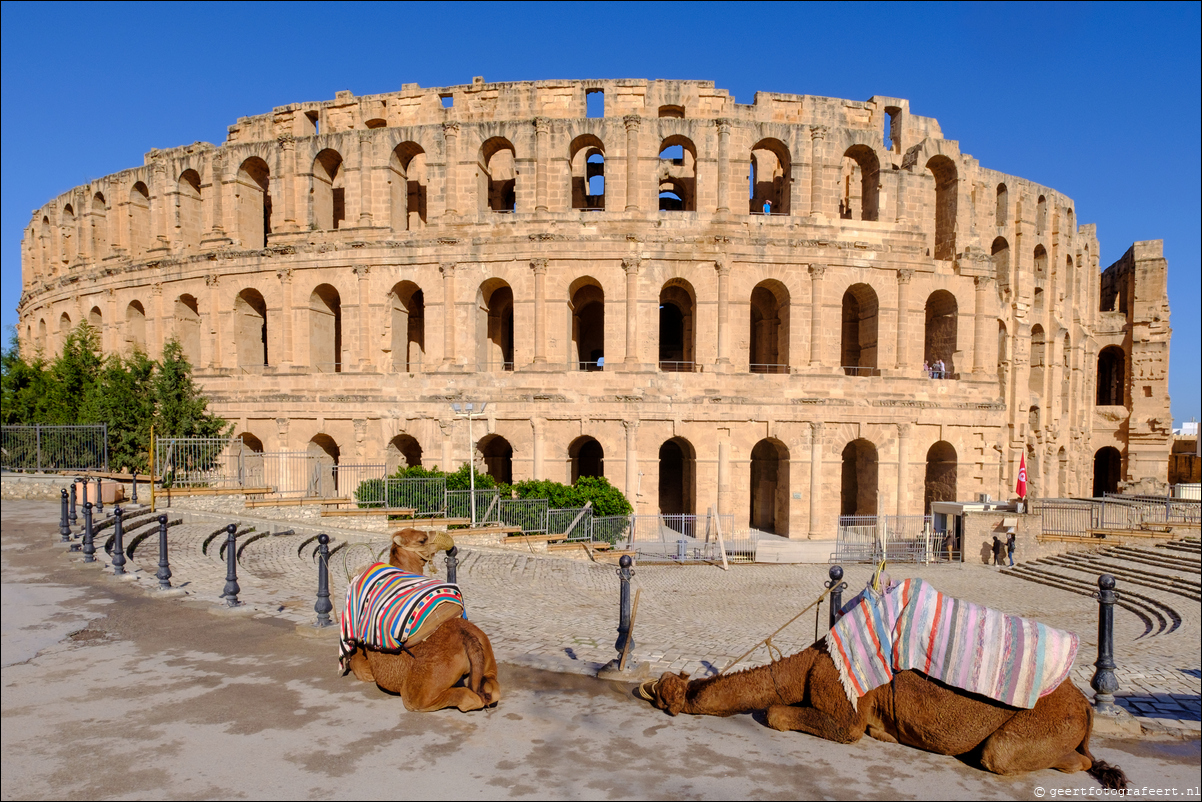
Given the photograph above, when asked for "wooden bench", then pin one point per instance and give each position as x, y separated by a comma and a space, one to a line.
401, 512
215, 491
293, 502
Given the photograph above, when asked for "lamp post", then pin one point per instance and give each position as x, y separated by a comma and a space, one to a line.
469, 412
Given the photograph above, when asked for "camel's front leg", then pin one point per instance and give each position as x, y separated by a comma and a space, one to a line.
840, 729
423, 701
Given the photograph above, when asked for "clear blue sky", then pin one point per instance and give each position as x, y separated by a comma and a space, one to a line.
1099, 101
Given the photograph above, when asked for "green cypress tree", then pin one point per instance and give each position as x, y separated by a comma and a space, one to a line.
72, 375
123, 397
23, 386
180, 409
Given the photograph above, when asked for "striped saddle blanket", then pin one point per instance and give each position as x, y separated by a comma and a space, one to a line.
911, 625
387, 608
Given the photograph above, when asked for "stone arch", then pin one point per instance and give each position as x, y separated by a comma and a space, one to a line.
188, 209
946, 189
1001, 207
939, 340
67, 229
96, 321
587, 304
324, 453
1000, 257
859, 184
1041, 263
252, 202
1039, 358
408, 182
43, 337
677, 329
1112, 376
328, 191
325, 329
403, 451
858, 484
939, 483
187, 327
139, 219
587, 457
1107, 471
494, 326
250, 442
497, 454
586, 157
1041, 215
99, 225
861, 319
677, 477
496, 175
769, 496
135, 326
64, 329
407, 303
768, 350
768, 183
250, 328
676, 175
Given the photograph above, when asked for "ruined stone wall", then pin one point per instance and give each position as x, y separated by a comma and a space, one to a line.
339, 272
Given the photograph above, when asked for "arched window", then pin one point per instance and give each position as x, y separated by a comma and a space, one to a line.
1001, 208
1112, 376
946, 187
588, 323
43, 337
187, 327
139, 219
403, 452
859, 336
135, 326
768, 185
1107, 471
407, 181
64, 329
323, 454
587, 456
676, 327
250, 328
408, 326
858, 486
1034, 419
96, 321
328, 192
325, 330
1000, 256
859, 184
1039, 360
672, 112
100, 230
497, 454
188, 202
67, 234
940, 481
252, 201
939, 342
1041, 215
587, 156
494, 333
45, 241
677, 175
770, 487
769, 337
677, 468
496, 174
1041, 263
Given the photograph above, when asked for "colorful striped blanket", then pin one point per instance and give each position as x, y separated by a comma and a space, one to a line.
385, 606
911, 625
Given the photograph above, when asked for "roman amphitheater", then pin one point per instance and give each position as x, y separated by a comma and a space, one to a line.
710, 303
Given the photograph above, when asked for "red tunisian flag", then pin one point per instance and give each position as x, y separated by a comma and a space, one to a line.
1021, 488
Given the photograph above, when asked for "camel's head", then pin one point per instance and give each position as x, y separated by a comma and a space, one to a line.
413, 548
667, 693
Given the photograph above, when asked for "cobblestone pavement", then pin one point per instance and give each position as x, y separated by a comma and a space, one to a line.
561, 614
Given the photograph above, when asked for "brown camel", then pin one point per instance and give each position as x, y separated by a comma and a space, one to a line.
427, 675
802, 692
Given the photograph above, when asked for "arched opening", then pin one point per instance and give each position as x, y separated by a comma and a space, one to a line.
859, 184
1041, 215
323, 456
45, 241
187, 327
676, 327
1107, 471
135, 326
188, 209
64, 329
1034, 419
939, 342
1112, 376
768, 185
587, 456
587, 157
497, 454
940, 481
139, 219
403, 451
770, 487
43, 337
496, 174
407, 182
671, 112
1041, 263
677, 175
1034, 477
252, 200
677, 467
100, 230
858, 486
946, 185
1000, 256
494, 339
250, 328
325, 330
327, 190
769, 337
1001, 206
67, 233
588, 323
407, 303
96, 321
861, 313
1039, 360
250, 443
1003, 357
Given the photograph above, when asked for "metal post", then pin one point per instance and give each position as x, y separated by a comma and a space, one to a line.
99, 498
453, 565
135, 498
323, 606
64, 529
1104, 682
118, 544
89, 545
625, 572
837, 586
230, 592
164, 573
71, 515
37, 433
471, 463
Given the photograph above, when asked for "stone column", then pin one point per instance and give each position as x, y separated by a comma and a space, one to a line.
448, 311
816, 272
542, 130
631, 266
901, 358
216, 233
360, 425
632, 123
723, 165
448, 442
723, 270
361, 273
450, 133
214, 321
286, 315
158, 336
979, 332
161, 216
632, 462
539, 267
537, 424
724, 490
815, 476
287, 158
817, 142
365, 164
903, 465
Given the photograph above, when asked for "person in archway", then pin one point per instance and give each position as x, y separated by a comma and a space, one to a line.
998, 546
1010, 544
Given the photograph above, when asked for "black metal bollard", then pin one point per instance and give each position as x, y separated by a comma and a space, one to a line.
164, 572
1104, 681
64, 529
71, 514
452, 560
323, 606
230, 593
135, 492
625, 572
99, 498
837, 586
118, 545
89, 545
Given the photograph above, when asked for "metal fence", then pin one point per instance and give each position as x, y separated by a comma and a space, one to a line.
1080, 517
459, 504
1160, 509
896, 538
199, 462
425, 496
677, 538
1064, 516
54, 448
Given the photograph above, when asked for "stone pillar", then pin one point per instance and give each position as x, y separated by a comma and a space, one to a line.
161, 216
723, 165
365, 163
631, 266
815, 476
979, 322
448, 311
817, 142
281, 434
363, 311
450, 132
723, 270
217, 187
903, 465
538, 425
542, 130
287, 181
286, 315
158, 335
632, 462
724, 489
816, 272
902, 360
539, 267
360, 425
632, 123
214, 321
448, 442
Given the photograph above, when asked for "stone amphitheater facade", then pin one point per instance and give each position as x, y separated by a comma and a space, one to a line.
712, 304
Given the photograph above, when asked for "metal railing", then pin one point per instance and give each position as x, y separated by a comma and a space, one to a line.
896, 538
425, 496
574, 523
54, 448
531, 514
589, 367
767, 367
1161, 509
678, 366
494, 367
216, 462
1064, 516
459, 504
328, 367
680, 538
853, 370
